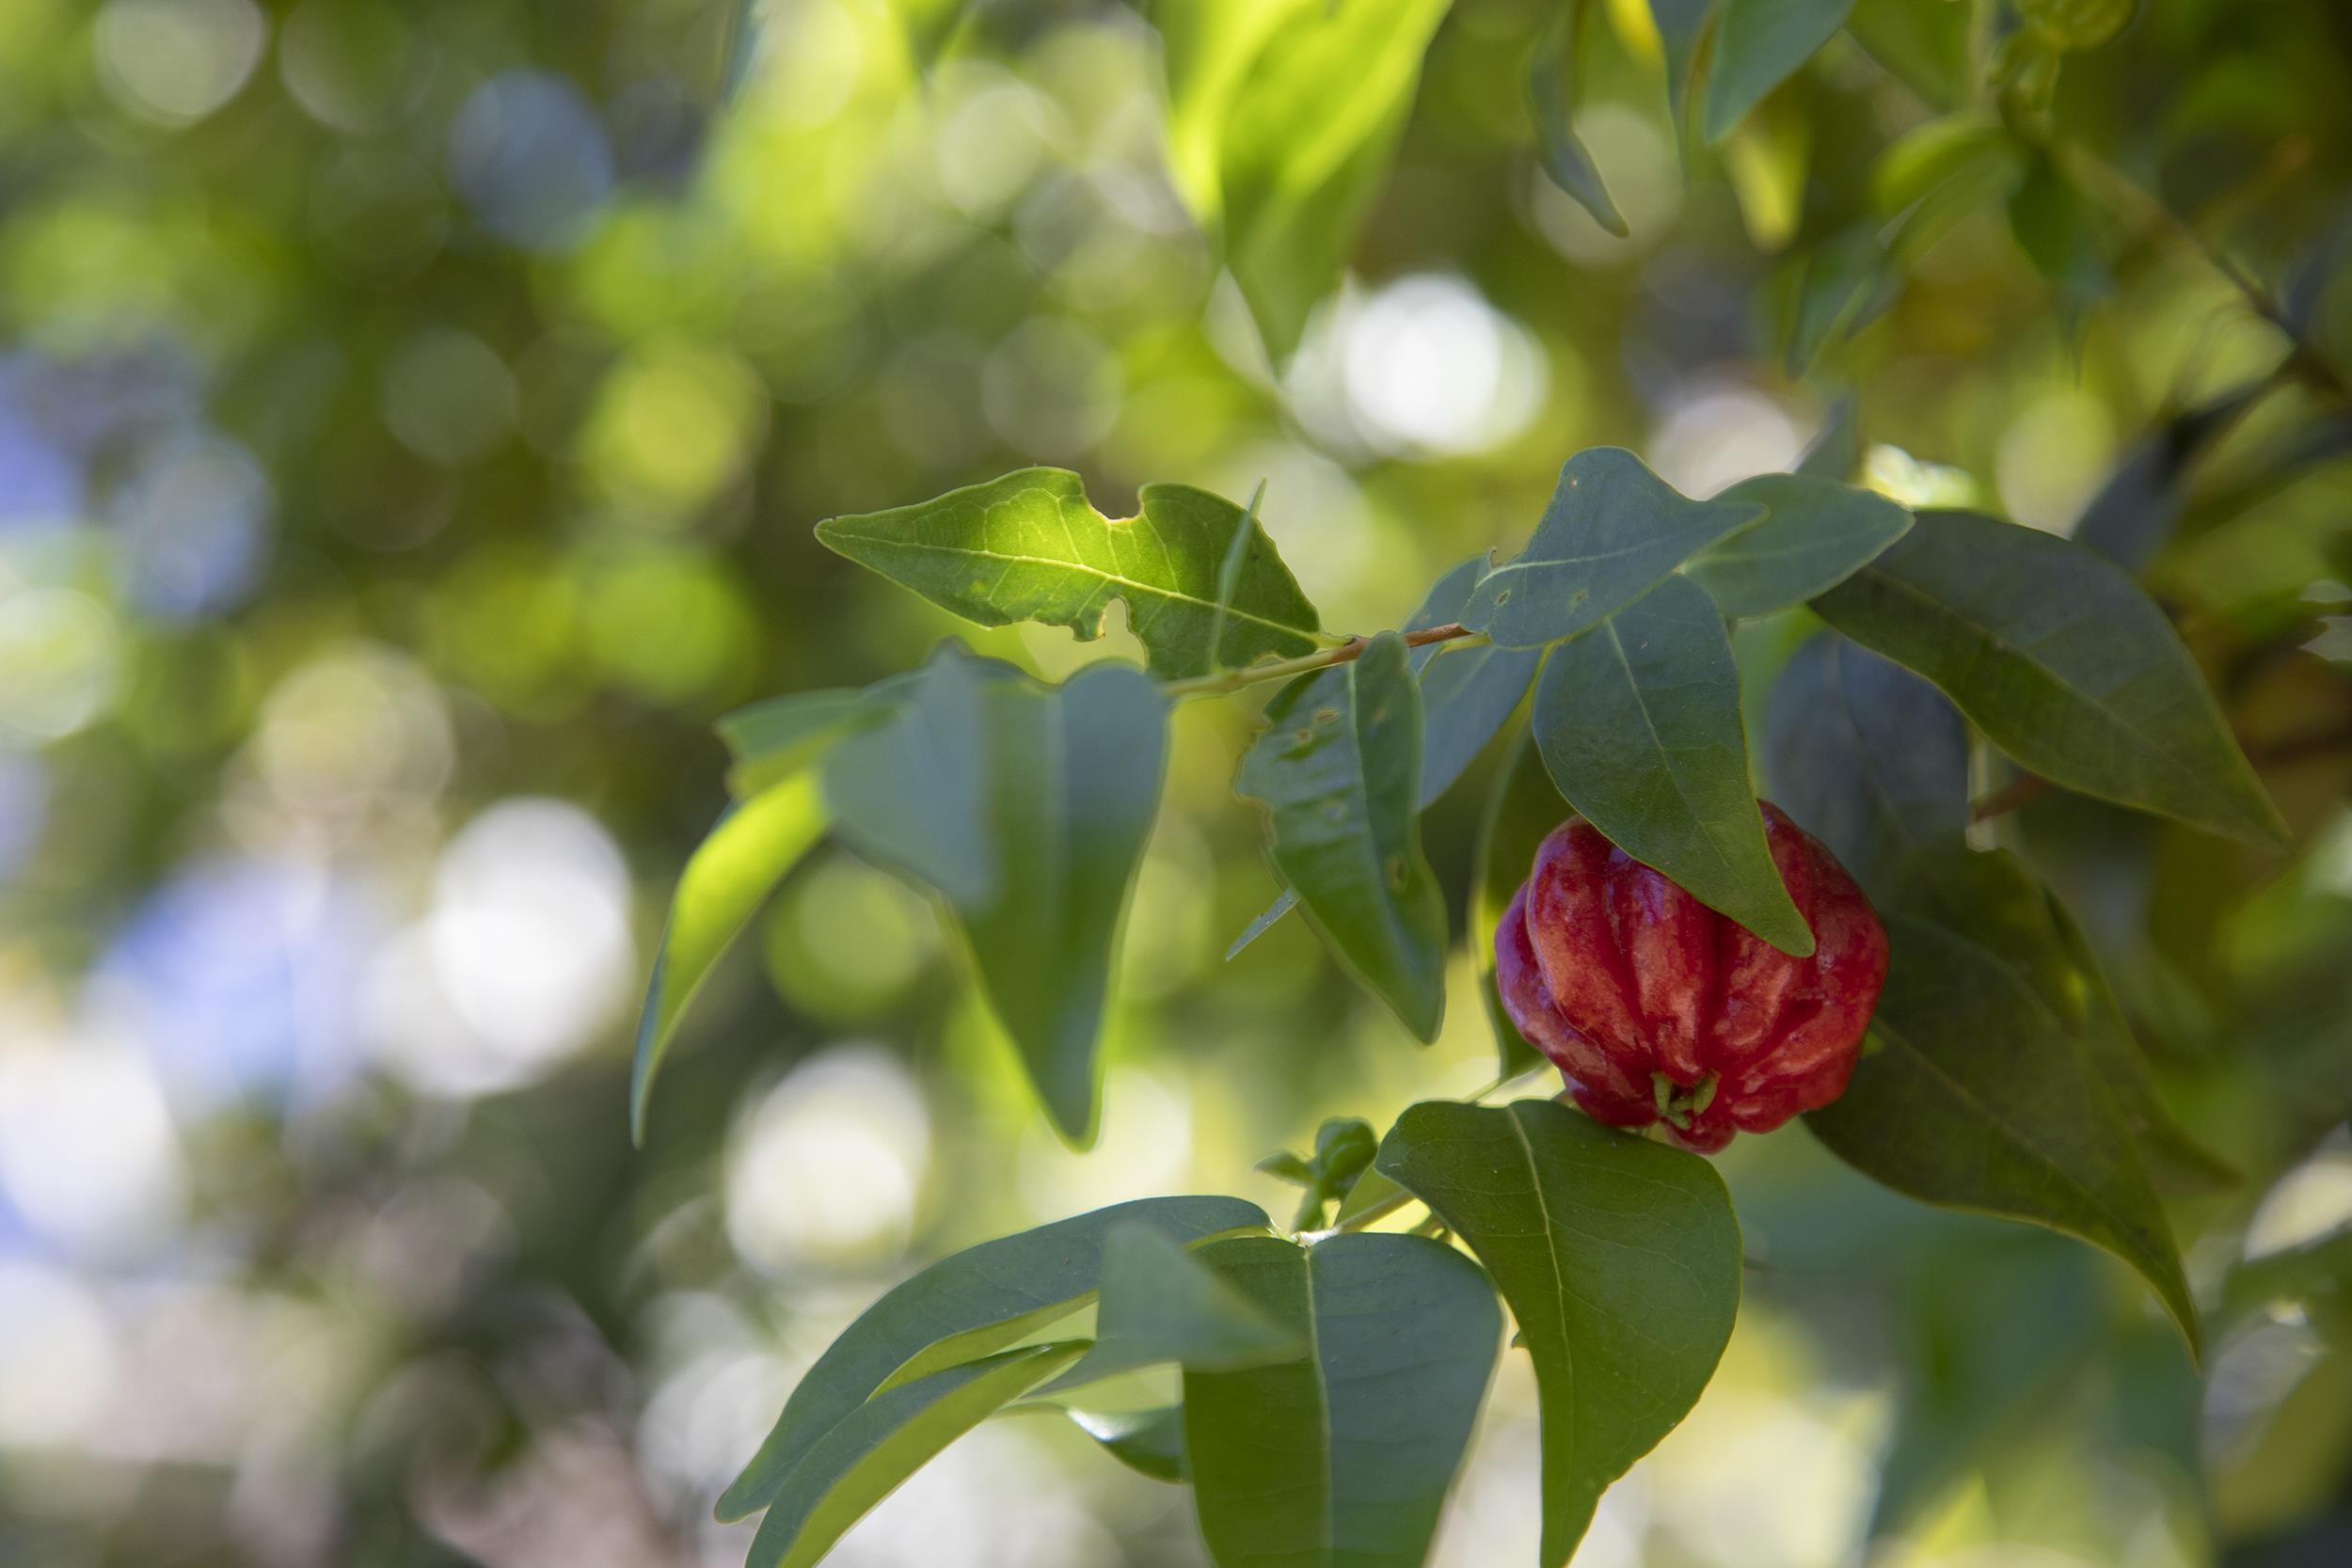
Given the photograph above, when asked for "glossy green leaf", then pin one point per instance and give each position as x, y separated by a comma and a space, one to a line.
963, 1306
1815, 535
1027, 808
725, 880
1758, 45
2062, 661
1028, 547
1341, 1460
1338, 770
1523, 807
1149, 1442
1283, 118
1980, 1097
1552, 98
1640, 726
879, 1444
1160, 1305
1866, 757
1620, 1258
1613, 532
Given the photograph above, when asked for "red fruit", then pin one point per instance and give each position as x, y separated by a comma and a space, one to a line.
1655, 1007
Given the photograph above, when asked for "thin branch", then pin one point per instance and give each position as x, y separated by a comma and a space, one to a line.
1347, 652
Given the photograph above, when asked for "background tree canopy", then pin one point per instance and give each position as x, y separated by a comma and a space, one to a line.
415, 419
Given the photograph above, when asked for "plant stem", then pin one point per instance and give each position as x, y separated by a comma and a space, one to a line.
1347, 652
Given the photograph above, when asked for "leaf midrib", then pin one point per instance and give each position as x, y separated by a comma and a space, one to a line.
1080, 568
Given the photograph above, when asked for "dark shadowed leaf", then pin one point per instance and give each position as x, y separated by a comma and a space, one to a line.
1026, 807
2063, 664
1682, 26
1639, 724
1341, 1460
2132, 514
1149, 1442
1613, 532
1867, 757
963, 1306
1552, 98
1160, 1305
1834, 289
1758, 45
1980, 1097
1028, 547
1466, 693
725, 880
1816, 533
1466, 696
1620, 1258
881, 1443
1523, 807
1837, 450
1338, 770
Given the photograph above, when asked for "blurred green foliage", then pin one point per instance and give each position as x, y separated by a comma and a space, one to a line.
412, 422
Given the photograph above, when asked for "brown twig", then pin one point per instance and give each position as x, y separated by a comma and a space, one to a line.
1347, 652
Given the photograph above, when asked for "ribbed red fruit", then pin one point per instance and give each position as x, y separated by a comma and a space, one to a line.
1656, 1008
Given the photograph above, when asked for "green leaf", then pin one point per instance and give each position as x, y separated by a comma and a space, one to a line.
1149, 1442
1836, 289
725, 880
2062, 662
1836, 451
1466, 693
1682, 26
1283, 118
1466, 696
877, 1446
1522, 809
1620, 1258
772, 740
1866, 757
1338, 770
1552, 98
1981, 1098
965, 1306
1815, 535
1613, 532
1027, 808
1159, 1303
1758, 45
1341, 1460
1639, 724
1028, 547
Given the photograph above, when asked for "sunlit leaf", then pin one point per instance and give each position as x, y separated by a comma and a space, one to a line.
1028, 547
1551, 98
2062, 662
1758, 45
1338, 769
1341, 1460
1283, 118
863, 1459
1980, 1097
1026, 808
1867, 757
1639, 724
725, 880
1620, 1258
1160, 1305
1613, 532
1815, 535
964, 1306
1523, 807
